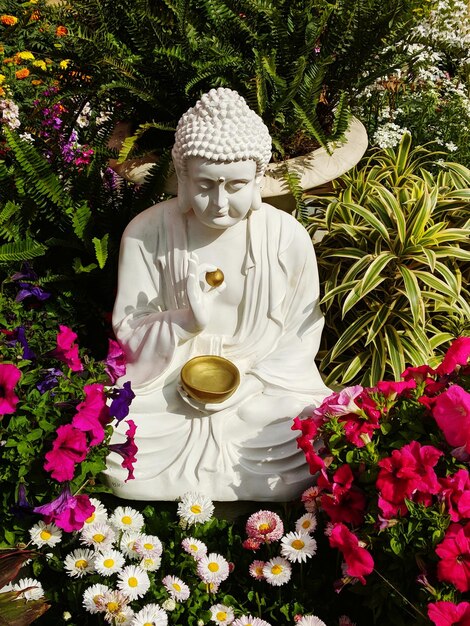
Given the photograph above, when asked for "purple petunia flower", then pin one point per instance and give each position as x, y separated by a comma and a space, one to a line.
28, 290
50, 380
122, 399
20, 337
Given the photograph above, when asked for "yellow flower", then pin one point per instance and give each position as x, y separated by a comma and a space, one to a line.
64, 64
33, 1
40, 64
2, 78
25, 55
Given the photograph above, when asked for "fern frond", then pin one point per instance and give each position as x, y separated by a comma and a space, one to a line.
21, 251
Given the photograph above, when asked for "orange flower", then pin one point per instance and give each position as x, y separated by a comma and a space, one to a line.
36, 82
23, 73
35, 16
8, 20
61, 31
2, 91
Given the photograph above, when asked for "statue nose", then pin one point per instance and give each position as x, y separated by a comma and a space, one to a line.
220, 198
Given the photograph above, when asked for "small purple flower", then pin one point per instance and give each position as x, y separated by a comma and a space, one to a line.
22, 506
27, 273
122, 399
28, 290
28, 354
50, 380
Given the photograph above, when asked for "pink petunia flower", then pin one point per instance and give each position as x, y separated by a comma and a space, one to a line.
454, 552
309, 427
389, 388
92, 414
339, 403
418, 374
127, 450
451, 410
455, 492
407, 474
457, 354
264, 527
342, 501
70, 447
444, 613
67, 511
9, 376
359, 562
67, 349
115, 361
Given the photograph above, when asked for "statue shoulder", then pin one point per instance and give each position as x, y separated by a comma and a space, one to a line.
151, 220
289, 227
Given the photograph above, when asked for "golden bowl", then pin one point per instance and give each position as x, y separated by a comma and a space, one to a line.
210, 378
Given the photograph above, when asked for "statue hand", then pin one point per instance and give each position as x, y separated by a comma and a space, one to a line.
200, 294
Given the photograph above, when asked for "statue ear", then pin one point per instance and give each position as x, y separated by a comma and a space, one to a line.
184, 205
257, 200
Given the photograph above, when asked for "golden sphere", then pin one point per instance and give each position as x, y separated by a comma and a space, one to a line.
216, 278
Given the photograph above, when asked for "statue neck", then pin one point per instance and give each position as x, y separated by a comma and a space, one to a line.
201, 235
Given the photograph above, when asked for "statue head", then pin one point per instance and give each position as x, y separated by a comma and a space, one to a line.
220, 128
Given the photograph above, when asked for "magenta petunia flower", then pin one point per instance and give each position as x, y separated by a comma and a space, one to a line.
341, 500
454, 552
457, 354
67, 511
127, 450
389, 388
455, 492
70, 447
443, 613
264, 526
92, 414
115, 361
67, 349
9, 376
359, 561
309, 428
451, 410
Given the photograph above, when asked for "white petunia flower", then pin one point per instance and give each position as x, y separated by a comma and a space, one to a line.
194, 547
148, 546
109, 562
133, 581
79, 562
45, 534
298, 547
277, 571
93, 598
310, 620
150, 564
306, 524
29, 588
213, 568
222, 614
126, 518
177, 589
127, 544
100, 514
150, 615
195, 508
99, 536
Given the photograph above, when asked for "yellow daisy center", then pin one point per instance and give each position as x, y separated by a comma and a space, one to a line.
193, 547
81, 564
221, 616
276, 569
264, 527
298, 544
90, 519
126, 520
99, 538
196, 509
45, 535
176, 587
108, 562
259, 571
148, 546
149, 624
112, 607
133, 582
148, 562
306, 524
213, 566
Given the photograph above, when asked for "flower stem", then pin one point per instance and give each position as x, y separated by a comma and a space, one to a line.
400, 594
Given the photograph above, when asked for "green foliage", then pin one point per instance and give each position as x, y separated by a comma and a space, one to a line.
393, 263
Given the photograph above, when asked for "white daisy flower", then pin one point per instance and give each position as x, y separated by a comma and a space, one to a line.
99, 536
123, 617
113, 603
150, 564
310, 620
30, 589
133, 581
45, 534
126, 518
79, 562
169, 604
148, 546
249, 620
194, 547
109, 562
222, 614
212, 568
298, 547
195, 508
127, 544
277, 571
306, 524
93, 597
150, 615
100, 514
177, 589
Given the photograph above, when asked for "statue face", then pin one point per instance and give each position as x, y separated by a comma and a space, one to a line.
220, 194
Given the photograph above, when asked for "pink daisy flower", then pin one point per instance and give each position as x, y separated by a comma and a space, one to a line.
264, 526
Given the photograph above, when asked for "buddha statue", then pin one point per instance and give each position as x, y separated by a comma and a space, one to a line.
261, 314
